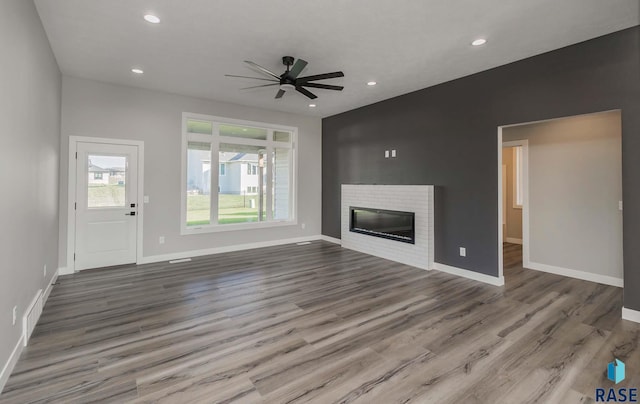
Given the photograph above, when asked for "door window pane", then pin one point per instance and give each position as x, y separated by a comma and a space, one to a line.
281, 180
198, 183
241, 196
106, 181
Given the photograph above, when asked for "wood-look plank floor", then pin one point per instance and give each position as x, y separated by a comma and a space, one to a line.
318, 323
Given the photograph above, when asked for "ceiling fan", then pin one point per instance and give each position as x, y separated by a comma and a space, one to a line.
289, 80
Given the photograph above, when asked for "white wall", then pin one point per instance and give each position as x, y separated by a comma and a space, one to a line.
29, 152
96, 109
575, 183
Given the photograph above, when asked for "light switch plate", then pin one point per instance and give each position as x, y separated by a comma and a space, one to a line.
386, 154
393, 153
463, 252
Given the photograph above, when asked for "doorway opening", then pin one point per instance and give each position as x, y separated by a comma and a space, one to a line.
560, 198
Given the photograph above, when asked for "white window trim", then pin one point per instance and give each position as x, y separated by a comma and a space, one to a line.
269, 145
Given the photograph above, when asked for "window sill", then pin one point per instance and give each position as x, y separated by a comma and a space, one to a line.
219, 228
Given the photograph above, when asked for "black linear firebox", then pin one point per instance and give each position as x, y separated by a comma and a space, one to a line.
390, 224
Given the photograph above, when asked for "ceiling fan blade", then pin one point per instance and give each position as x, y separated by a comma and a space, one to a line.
297, 68
256, 66
306, 92
325, 86
264, 85
320, 77
247, 77
280, 93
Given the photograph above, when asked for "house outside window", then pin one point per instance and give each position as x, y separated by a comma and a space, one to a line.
97, 176
255, 182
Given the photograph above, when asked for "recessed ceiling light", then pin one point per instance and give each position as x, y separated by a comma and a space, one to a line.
371, 83
312, 105
152, 19
137, 71
479, 42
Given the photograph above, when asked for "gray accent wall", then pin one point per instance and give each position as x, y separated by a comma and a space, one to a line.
30, 86
446, 135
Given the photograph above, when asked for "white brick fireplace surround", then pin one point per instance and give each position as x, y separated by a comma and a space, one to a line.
406, 198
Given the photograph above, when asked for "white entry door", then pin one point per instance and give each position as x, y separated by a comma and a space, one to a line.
106, 205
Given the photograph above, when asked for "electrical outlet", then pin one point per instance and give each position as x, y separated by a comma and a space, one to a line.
463, 252
161, 240
146, 199
15, 314
619, 205
304, 226
45, 270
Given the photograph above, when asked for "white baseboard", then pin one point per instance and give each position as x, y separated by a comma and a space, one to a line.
631, 315
465, 273
331, 239
573, 273
11, 363
49, 288
238, 247
513, 240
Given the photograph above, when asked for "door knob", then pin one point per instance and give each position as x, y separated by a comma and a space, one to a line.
130, 214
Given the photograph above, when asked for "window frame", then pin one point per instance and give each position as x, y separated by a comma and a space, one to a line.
216, 139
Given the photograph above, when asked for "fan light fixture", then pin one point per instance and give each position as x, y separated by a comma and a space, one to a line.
371, 83
137, 71
312, 105
479, 41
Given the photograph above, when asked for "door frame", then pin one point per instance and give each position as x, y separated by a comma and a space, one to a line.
524, 143
71, 194
525, 199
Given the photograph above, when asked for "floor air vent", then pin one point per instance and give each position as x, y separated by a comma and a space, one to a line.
31, 316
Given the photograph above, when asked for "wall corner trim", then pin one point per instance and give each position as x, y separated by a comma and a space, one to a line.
331, 239
65, 271
573, 273
11, 362
631, 315
465, 273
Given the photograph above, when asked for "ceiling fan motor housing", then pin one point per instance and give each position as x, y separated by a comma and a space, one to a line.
287, 60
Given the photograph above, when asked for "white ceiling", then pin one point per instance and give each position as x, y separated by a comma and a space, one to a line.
404, 45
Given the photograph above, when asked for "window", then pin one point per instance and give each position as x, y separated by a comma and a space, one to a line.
230, 200
518, 196
97, 176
